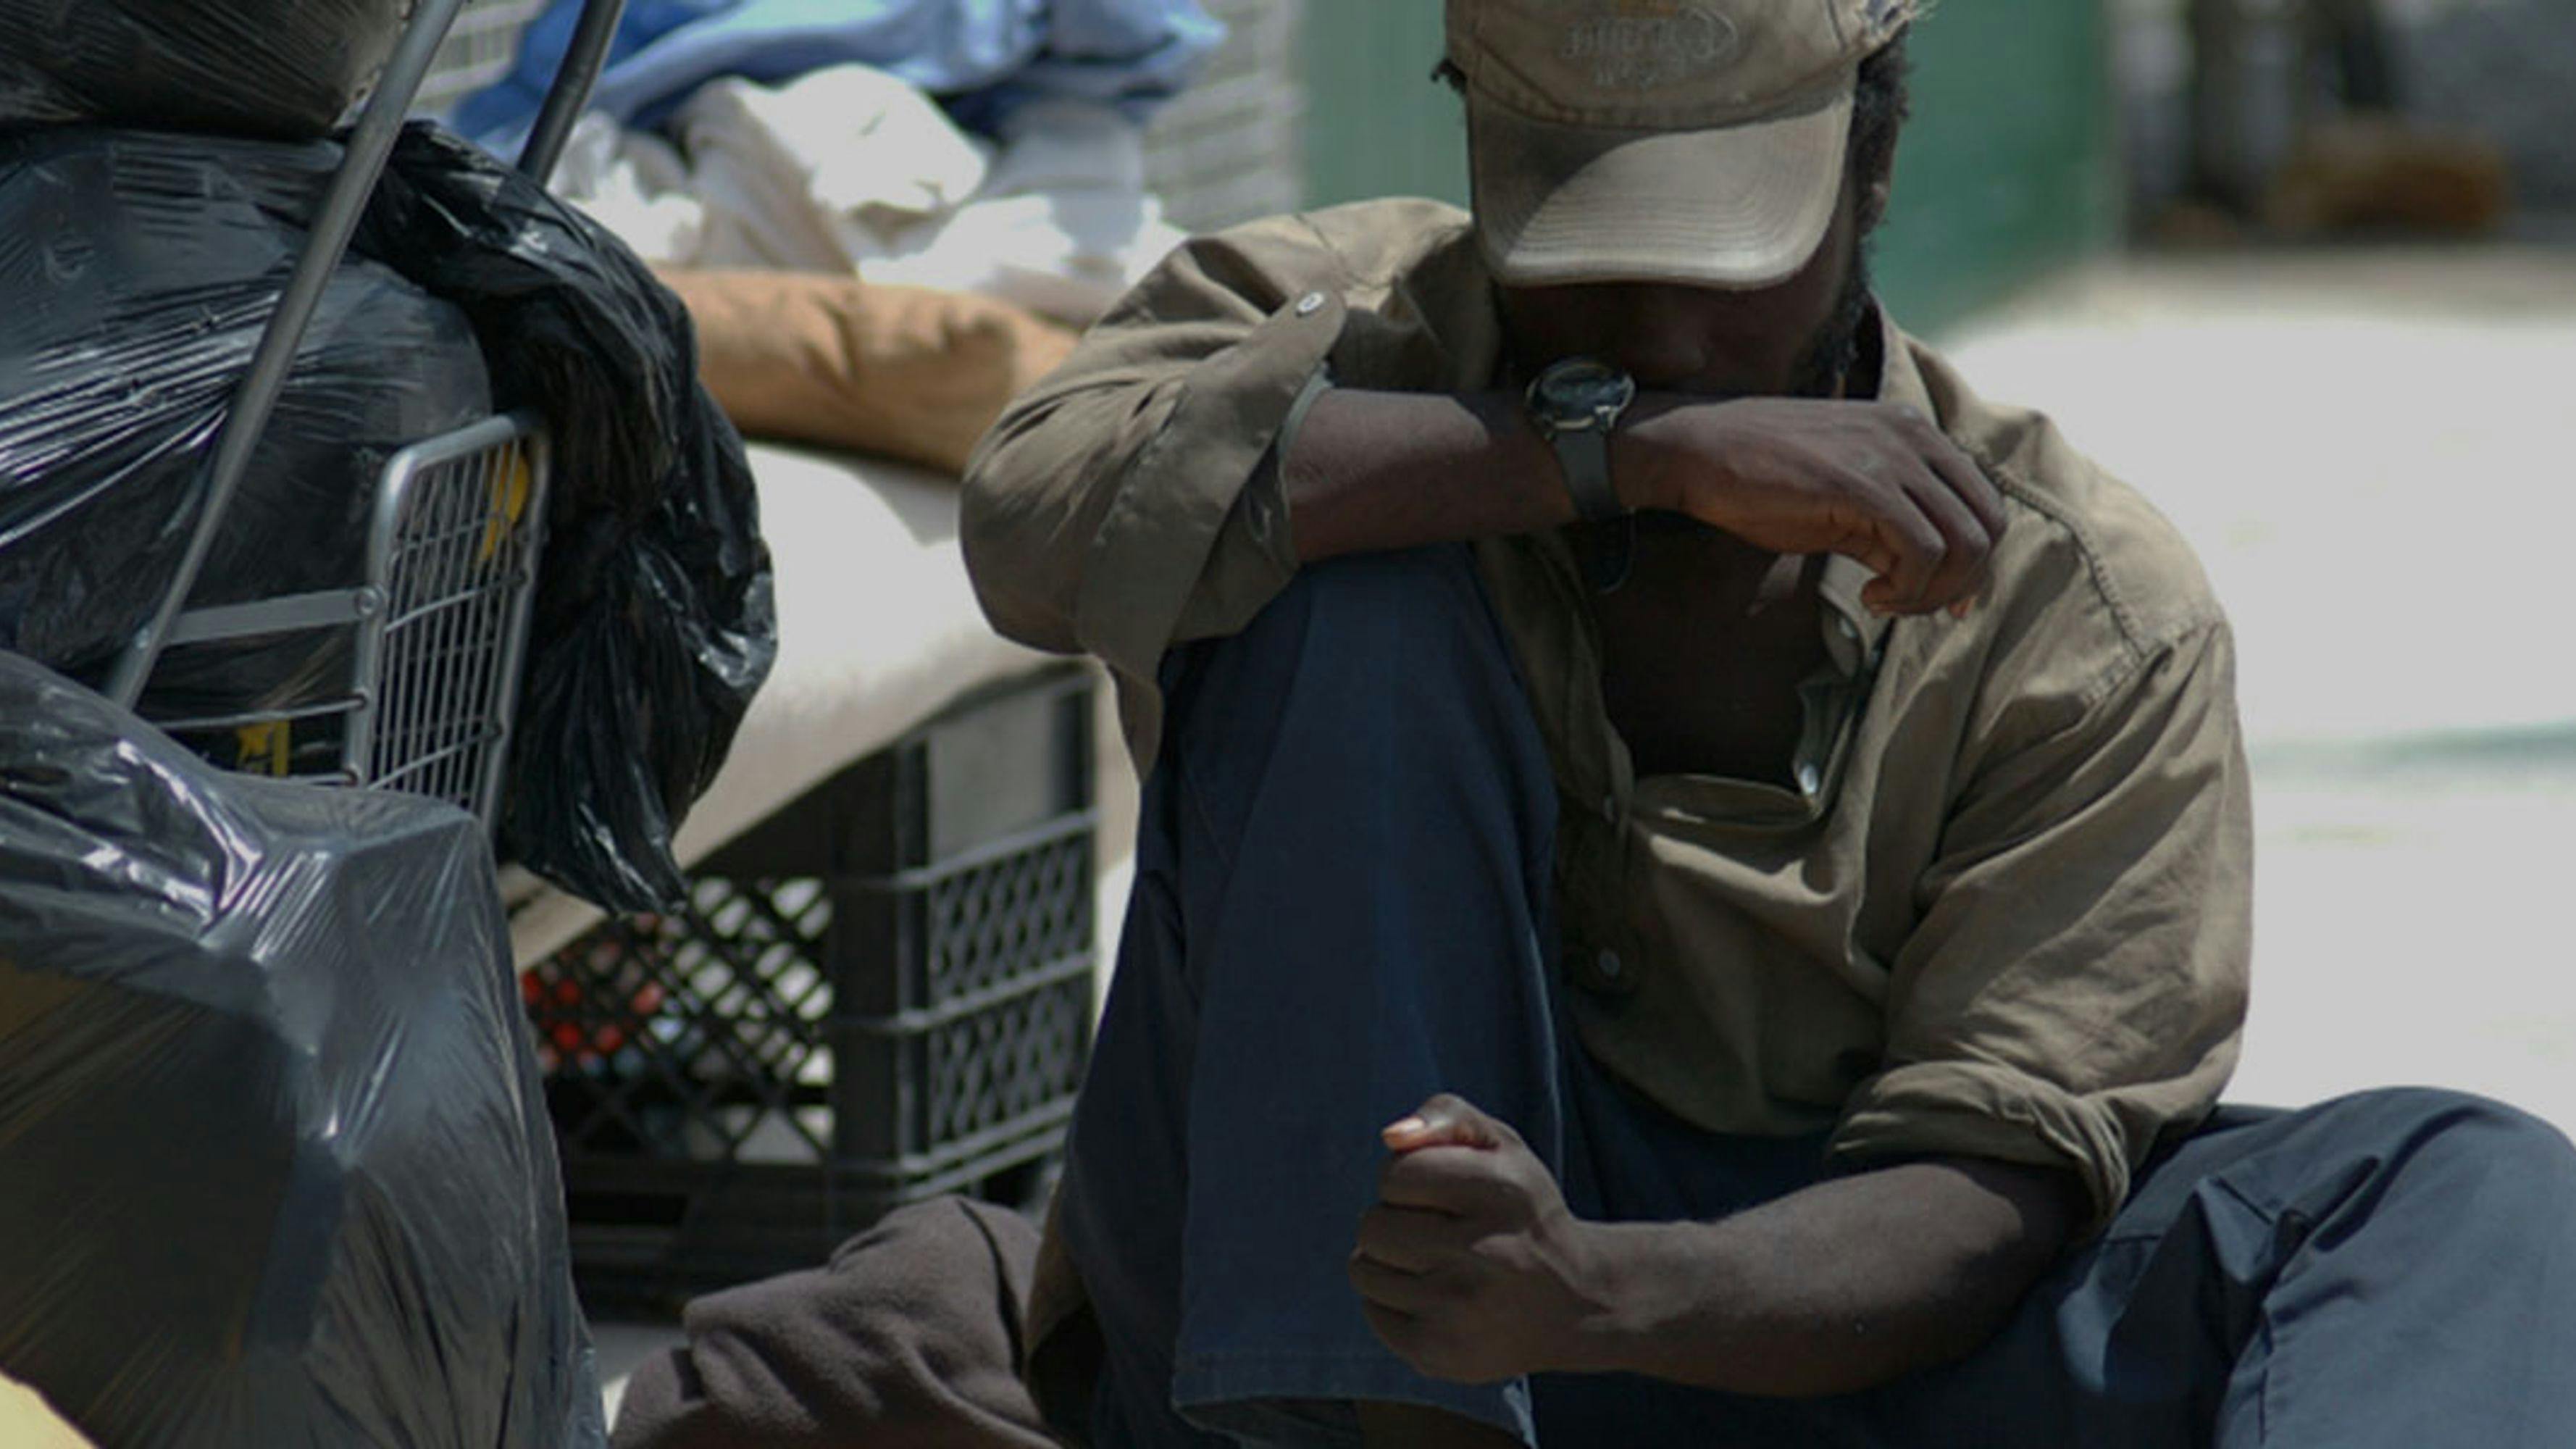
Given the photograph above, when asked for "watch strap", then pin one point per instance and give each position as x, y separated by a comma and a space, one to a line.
1584, 454
1607, 551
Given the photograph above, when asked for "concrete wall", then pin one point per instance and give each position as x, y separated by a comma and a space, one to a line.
478, 50
2506, 69
2497, 68
1232, 147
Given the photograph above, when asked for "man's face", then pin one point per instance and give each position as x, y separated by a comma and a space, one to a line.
1701, 340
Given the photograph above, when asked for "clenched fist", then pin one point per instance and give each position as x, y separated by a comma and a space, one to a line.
1470, 1267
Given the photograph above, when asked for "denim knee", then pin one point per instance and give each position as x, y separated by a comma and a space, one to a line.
1377, 672
2453, 1139
1385, 613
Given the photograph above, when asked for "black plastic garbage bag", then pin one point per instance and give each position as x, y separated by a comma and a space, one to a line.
287, 68
140, 269
277, 1169
653, 623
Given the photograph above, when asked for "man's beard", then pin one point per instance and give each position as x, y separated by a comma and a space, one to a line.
1836, 348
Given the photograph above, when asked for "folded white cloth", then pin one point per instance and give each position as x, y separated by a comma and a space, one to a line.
852, 169
634, 183
1062, 225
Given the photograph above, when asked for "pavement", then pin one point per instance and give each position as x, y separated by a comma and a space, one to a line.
2373, 451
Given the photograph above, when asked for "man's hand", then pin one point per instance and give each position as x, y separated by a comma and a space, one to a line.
1875, 482
1470, 1266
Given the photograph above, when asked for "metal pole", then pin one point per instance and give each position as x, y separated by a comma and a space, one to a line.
368, 147
584, 59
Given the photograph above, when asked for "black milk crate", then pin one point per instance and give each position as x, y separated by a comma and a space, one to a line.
882, 993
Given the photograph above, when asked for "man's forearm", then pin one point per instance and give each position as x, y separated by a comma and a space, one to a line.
1875, 482
1836, 1288
1388, 470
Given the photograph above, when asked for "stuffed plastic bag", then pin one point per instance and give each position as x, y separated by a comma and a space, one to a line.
277, 1162
653, 624
146, 264
283, 68
140, 269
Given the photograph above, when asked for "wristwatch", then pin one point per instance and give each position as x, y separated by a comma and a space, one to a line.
1574, 404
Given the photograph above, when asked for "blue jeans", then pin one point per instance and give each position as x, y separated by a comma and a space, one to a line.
1343, 905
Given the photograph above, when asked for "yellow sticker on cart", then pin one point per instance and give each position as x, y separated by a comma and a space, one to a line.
267, 747
510, 489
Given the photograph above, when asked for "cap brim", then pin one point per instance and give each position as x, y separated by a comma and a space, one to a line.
1737, 206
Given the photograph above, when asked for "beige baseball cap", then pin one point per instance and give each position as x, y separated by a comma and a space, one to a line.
1692, 141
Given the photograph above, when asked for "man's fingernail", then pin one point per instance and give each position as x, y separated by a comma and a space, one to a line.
1406, 1126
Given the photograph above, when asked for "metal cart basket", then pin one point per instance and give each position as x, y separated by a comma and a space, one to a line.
437, 630
438, 624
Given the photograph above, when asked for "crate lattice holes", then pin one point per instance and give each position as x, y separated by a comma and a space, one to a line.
882, 994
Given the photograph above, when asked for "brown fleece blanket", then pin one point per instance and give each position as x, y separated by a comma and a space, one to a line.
899, 371
909, 1339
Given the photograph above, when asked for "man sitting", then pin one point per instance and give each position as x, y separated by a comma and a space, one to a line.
1694, 880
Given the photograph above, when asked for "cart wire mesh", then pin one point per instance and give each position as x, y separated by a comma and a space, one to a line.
436, 632
455, 551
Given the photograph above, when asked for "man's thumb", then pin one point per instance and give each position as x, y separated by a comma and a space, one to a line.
1445, 1121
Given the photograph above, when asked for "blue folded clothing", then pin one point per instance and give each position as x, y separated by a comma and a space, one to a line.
980, 57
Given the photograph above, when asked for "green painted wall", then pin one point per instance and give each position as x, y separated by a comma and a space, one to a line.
1376, 123
2008, 167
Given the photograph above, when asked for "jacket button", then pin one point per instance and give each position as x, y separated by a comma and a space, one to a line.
1612, 968
1310, 304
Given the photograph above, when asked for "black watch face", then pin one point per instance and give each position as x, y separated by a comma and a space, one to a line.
1582, 387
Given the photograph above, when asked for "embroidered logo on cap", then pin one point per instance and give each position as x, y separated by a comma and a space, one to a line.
1647, 46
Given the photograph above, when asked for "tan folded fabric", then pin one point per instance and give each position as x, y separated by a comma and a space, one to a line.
902, 371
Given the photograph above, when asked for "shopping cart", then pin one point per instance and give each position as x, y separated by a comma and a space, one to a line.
438, 623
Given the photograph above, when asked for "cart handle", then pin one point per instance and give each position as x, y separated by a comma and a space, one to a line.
583, 61
368, 147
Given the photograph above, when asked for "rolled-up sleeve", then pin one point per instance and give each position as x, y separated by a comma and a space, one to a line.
2076, 983
1122, 505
